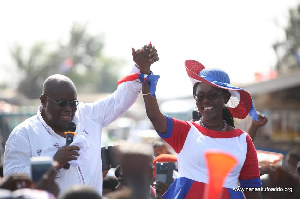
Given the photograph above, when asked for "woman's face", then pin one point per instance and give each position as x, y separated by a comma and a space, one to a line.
210, 101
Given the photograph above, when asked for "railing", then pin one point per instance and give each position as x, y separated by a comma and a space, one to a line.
9, 120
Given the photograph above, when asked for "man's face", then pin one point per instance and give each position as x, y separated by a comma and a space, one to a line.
54, 115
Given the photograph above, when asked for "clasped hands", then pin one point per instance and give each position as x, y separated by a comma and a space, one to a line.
144, 57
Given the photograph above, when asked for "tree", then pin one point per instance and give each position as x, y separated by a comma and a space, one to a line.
80, 59
288, 51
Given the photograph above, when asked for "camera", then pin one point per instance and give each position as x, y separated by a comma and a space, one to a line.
109, 157
164, 172
39, 166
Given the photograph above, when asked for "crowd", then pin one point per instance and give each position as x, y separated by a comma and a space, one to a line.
140, 172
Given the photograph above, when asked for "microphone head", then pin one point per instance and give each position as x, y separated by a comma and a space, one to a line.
71, 127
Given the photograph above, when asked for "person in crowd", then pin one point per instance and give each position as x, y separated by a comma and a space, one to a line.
159, 186
291, 160
163, 158
159, 147
16, 181
279, 183
218, 102
120, 178
255, 125
109, 184
123, 181
124, 193
135, 170
21, 186
32, 194
44, 133
105, 172
80, 192
47, 182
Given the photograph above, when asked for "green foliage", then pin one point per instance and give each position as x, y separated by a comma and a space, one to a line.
288, 51
80, 58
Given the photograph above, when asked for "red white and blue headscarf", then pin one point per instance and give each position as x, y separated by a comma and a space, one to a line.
240, 103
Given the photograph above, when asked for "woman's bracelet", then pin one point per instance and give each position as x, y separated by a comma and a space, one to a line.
146, 93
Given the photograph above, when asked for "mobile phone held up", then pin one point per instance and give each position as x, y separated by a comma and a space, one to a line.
109, 157
164, 172
39, 166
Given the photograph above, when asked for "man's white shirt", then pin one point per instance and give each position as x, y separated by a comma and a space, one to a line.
34, 137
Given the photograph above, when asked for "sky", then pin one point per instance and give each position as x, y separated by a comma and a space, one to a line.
233, 35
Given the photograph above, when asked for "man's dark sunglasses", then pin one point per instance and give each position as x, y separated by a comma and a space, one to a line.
64, 103
209, 96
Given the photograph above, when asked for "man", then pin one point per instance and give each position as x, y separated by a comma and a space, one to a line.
159, 148
79, 192
44, 133
135, 170
109, 184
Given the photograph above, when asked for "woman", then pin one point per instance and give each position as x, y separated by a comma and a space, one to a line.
217, 101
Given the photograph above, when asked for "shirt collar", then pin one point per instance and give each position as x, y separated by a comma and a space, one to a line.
47, 127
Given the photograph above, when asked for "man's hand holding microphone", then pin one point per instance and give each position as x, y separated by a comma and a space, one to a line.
67, 153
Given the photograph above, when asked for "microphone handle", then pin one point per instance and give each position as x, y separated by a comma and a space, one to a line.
69, 140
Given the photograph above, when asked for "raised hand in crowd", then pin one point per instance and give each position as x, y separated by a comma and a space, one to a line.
16, 181
47, 182
160, 188
255, 125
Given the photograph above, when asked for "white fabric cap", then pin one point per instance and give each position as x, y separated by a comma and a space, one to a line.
234, 100
82, 143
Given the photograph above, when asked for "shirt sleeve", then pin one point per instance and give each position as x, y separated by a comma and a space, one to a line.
249, 175
107, 110
177, 132
17, 154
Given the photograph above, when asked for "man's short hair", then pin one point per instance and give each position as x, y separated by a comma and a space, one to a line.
79, 192
56, 80
110, 182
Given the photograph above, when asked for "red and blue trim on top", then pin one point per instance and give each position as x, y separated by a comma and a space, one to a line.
151, 80
184, 187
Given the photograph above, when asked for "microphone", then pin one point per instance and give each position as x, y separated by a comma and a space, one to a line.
71, 127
